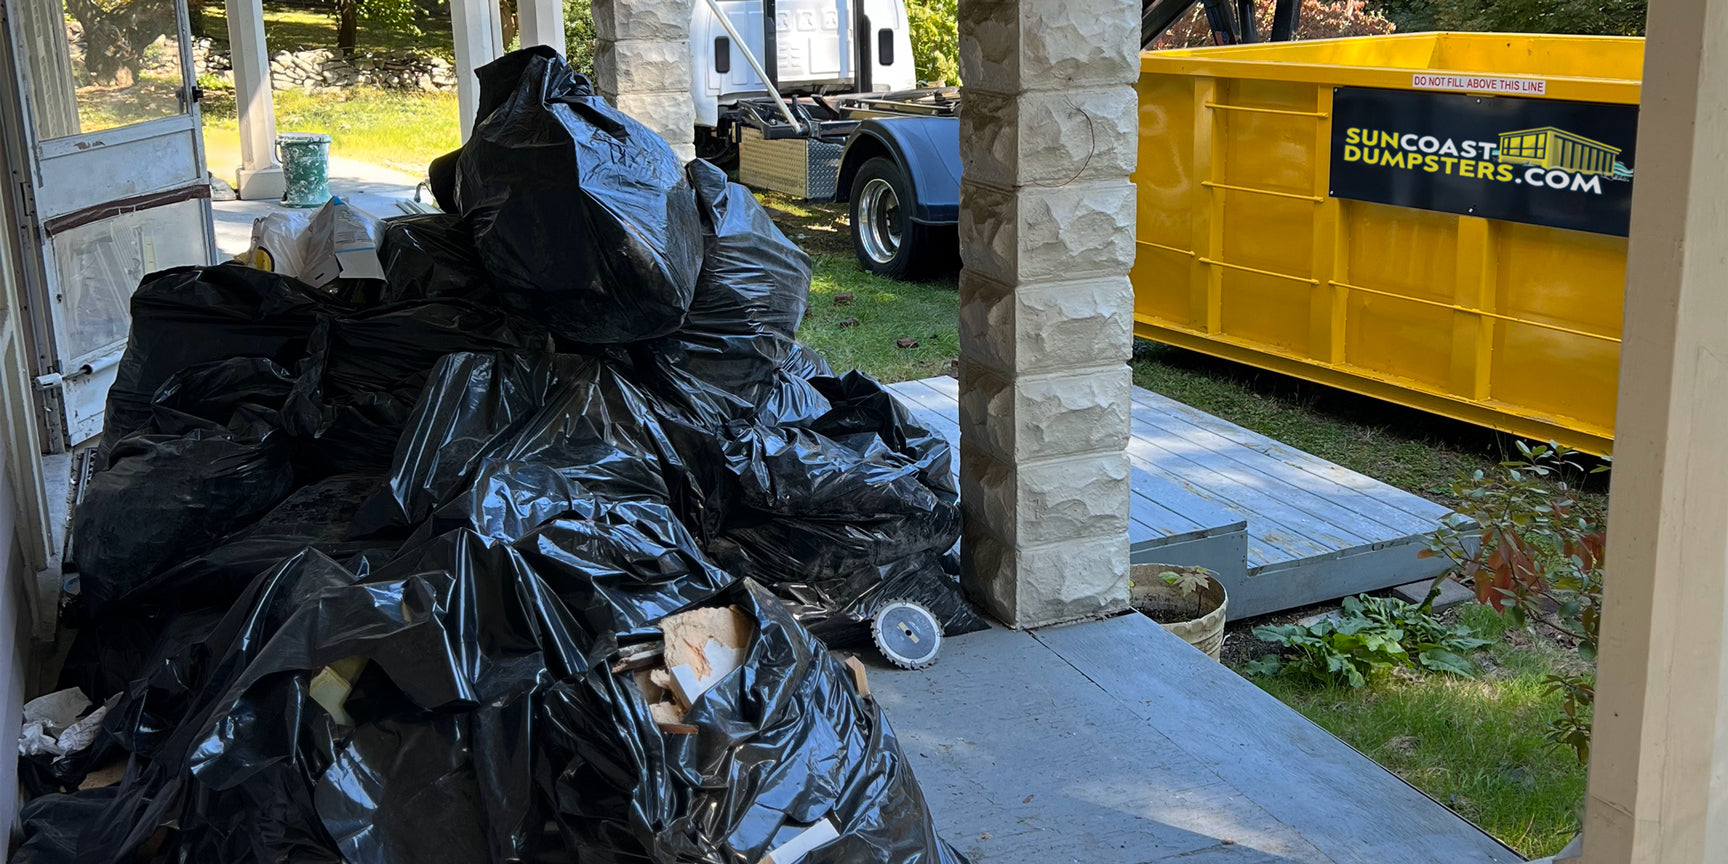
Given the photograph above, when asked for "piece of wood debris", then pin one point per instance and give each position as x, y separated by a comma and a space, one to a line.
794, 850
331, 686
859, 680
702, 647
665, 712
633, 657
651, 692
670, 719
107, 776
661, 679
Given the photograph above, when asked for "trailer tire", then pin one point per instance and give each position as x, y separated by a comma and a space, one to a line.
884, 238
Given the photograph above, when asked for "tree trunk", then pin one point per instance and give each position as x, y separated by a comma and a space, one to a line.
347, 25
195, 17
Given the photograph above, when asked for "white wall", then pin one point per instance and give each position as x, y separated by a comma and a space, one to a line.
14, 641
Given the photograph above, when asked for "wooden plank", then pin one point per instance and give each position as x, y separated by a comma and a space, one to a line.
1104, 787
1224, 554
1347, 502
1266, 516
1288, 584
1314, 515
1352, 810
1390, 495
1150, 520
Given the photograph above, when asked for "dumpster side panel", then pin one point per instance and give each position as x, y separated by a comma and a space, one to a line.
1560, 355
1167, 192
1244, 254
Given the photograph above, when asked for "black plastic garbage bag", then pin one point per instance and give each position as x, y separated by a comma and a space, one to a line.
841, 516
582, 216
177, 490
431, 255
804, 362
365, 371
317, 516
52, 825
750, 296
460, 633
580, 414
191, 315
782, 743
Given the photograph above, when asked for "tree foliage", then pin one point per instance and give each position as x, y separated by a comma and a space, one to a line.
579, 35
1320, 20
1592, 17
935, 39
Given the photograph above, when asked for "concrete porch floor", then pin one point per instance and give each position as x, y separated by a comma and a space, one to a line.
1113, 742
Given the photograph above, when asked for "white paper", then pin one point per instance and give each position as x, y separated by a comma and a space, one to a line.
339, 240
794, 850
57, 709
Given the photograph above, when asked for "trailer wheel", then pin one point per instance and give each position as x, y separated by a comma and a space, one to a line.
885, 239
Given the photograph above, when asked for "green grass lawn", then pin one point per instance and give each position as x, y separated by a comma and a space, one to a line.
856, 319
1474, 745
397, 128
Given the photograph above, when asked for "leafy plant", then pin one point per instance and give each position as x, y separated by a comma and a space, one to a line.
1572, 728
1373, 635
1189, 583
1530, 548
935, 28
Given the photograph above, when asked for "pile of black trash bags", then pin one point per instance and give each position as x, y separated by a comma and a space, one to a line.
574, 407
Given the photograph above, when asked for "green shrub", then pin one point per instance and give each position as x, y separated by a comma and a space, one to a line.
1374, 634
579, 35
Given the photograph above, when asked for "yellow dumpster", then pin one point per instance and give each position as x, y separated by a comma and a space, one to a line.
1436, 219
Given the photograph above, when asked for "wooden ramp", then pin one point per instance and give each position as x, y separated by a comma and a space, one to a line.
1281, 527
1114, 742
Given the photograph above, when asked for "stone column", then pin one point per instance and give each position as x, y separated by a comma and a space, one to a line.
541, 23
1047, 141
259, 176
1658, 790
642, 65
478, 37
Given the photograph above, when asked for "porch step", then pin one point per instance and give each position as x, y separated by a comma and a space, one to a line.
1281, 527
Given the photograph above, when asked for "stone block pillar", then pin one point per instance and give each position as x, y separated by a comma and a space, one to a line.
642, 65
259, 177
1047, 141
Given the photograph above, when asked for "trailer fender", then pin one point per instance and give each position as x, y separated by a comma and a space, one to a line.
927, 148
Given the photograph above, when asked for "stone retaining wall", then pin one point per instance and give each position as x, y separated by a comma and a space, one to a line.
323, 70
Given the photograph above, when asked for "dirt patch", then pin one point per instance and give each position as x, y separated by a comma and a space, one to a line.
821, 227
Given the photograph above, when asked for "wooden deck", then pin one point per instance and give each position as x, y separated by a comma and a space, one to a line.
1114, 742
1281, 527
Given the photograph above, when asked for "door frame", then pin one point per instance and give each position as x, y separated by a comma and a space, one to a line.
82, 197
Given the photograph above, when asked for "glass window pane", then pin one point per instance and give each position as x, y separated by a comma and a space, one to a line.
99, 266
100, 64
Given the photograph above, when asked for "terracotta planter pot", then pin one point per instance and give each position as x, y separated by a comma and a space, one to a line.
1175, 612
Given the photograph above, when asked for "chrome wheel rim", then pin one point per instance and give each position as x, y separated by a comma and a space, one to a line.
879, 221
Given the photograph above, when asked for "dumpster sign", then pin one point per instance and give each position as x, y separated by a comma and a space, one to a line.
1538, 161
